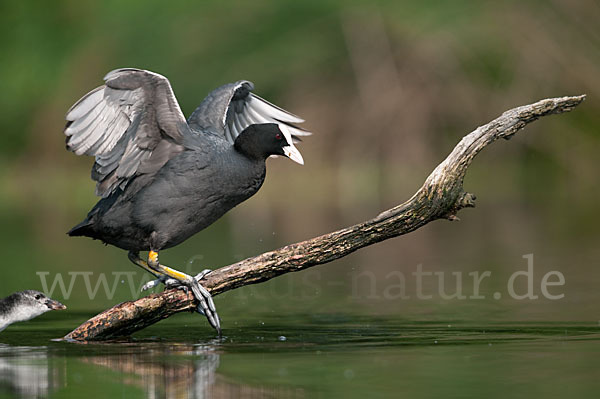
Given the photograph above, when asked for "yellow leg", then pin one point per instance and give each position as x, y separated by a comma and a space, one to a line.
155, 268
135, 258
167, 271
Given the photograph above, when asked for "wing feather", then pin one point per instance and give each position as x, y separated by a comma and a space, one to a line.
231, 108
85, 104
122, 123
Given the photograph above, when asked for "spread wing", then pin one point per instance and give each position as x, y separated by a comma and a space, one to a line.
132, 125
231, 108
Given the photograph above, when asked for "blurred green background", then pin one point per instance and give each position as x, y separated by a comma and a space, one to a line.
387, 87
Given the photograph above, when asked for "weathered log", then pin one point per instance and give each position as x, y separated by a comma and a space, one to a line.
440, 197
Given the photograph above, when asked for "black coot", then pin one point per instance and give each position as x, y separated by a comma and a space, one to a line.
161, 178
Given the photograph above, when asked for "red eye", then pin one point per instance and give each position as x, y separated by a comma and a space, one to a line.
278, 136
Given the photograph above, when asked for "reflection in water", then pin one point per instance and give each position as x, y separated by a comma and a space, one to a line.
172, 371
157, 370
24, 372
180, 371
364, 358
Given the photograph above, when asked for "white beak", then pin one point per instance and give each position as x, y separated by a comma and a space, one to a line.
289, 150
292, 153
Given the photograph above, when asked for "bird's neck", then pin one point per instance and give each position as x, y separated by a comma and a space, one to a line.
16, 314
245, 145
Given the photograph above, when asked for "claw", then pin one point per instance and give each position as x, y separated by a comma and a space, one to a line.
184, 288
167, 281
206, 304
151, 284
172, 283
202, 274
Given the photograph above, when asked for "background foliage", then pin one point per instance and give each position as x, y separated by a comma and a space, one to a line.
388, 88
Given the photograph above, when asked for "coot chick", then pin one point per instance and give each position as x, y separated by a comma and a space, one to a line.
25, 305
162, 179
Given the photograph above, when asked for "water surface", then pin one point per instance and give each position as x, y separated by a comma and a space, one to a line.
322, 355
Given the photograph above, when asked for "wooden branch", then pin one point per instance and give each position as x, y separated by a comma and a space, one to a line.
440, 197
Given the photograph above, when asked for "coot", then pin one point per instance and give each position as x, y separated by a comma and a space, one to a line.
25, 305
162, 179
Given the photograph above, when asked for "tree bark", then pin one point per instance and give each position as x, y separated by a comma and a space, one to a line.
440, 197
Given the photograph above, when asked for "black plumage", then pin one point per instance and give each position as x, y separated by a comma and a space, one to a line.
162, 178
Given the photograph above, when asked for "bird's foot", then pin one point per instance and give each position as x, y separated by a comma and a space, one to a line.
151, 284
206, 304
199, 277
167, 281
175, 279
202, 274
173, 283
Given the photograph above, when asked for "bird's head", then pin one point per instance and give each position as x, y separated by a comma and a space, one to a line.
36, 303
25, 305
259, 141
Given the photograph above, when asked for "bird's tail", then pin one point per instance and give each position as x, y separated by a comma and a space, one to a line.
84, 228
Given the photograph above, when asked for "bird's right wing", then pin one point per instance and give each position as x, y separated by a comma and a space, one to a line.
231, 108
131, 125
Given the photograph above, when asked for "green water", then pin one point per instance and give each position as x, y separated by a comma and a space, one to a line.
313, 356
388, 88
